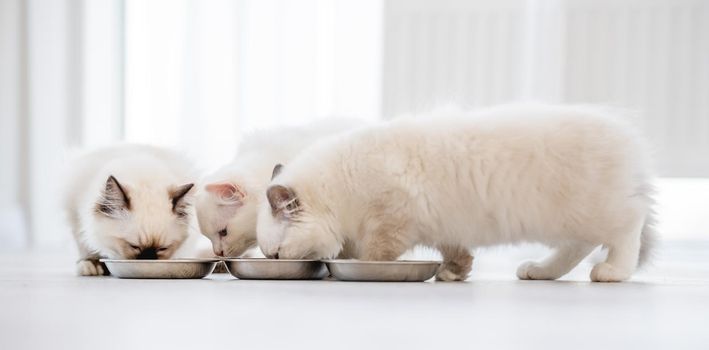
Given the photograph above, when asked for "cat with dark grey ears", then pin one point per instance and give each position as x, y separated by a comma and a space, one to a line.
128, 202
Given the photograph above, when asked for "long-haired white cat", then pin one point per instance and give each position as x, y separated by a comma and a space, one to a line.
227, 204
572, 178
128, 202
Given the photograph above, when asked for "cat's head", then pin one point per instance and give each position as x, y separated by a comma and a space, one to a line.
140, 220
295, 223
227, 216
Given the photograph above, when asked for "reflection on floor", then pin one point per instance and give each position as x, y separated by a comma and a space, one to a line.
43, 305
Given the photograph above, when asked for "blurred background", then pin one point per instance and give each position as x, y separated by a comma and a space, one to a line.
195, 75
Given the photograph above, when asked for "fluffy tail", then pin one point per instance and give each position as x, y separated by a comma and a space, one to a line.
648, 239
648, 235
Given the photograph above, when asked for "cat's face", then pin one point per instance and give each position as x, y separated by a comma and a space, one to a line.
140, 221
227, 216
290, 228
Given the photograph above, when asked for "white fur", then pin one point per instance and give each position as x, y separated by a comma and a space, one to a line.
251, 171
148, 174
572, 178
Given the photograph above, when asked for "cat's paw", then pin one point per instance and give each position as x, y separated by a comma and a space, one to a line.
531, 270
605, 272
89, 268
445, 275
456, 266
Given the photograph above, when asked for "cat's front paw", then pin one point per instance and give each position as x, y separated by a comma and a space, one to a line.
531, 270
605, 272
453, 271
90, 267
445, 275
457, 263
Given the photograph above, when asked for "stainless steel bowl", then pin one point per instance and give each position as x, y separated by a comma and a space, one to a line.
276, 269
178, 268
382, 271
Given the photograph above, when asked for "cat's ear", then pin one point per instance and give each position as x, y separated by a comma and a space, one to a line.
284, 203
114, 198
276, 170
177, 196
227, 192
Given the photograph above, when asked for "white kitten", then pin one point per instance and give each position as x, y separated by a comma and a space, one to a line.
227, 205
572, 178
128, 202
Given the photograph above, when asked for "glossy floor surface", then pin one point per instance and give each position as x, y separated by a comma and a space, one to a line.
43, 305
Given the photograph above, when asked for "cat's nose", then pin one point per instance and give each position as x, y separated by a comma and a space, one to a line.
147, 253
273, 256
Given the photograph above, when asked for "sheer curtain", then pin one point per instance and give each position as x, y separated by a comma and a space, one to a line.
203, 72
195, 75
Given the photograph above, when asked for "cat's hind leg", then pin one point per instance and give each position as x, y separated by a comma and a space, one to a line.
621, 262
559, 263
457, 263
623, 253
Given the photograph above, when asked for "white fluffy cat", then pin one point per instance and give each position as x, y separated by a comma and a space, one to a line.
227, 204
128, 202
572, 178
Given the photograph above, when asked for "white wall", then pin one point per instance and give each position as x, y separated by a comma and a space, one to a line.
650, 56
12, 128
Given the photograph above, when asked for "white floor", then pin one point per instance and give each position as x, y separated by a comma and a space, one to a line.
43, 305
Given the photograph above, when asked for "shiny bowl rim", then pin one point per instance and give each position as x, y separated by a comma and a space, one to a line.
267, 260
381, 262
157, 261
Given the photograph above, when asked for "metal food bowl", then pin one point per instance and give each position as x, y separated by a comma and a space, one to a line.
382, 271
161, 269
276, 269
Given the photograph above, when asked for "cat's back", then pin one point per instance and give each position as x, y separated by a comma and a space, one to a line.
510, 132
502, 142
517, 122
